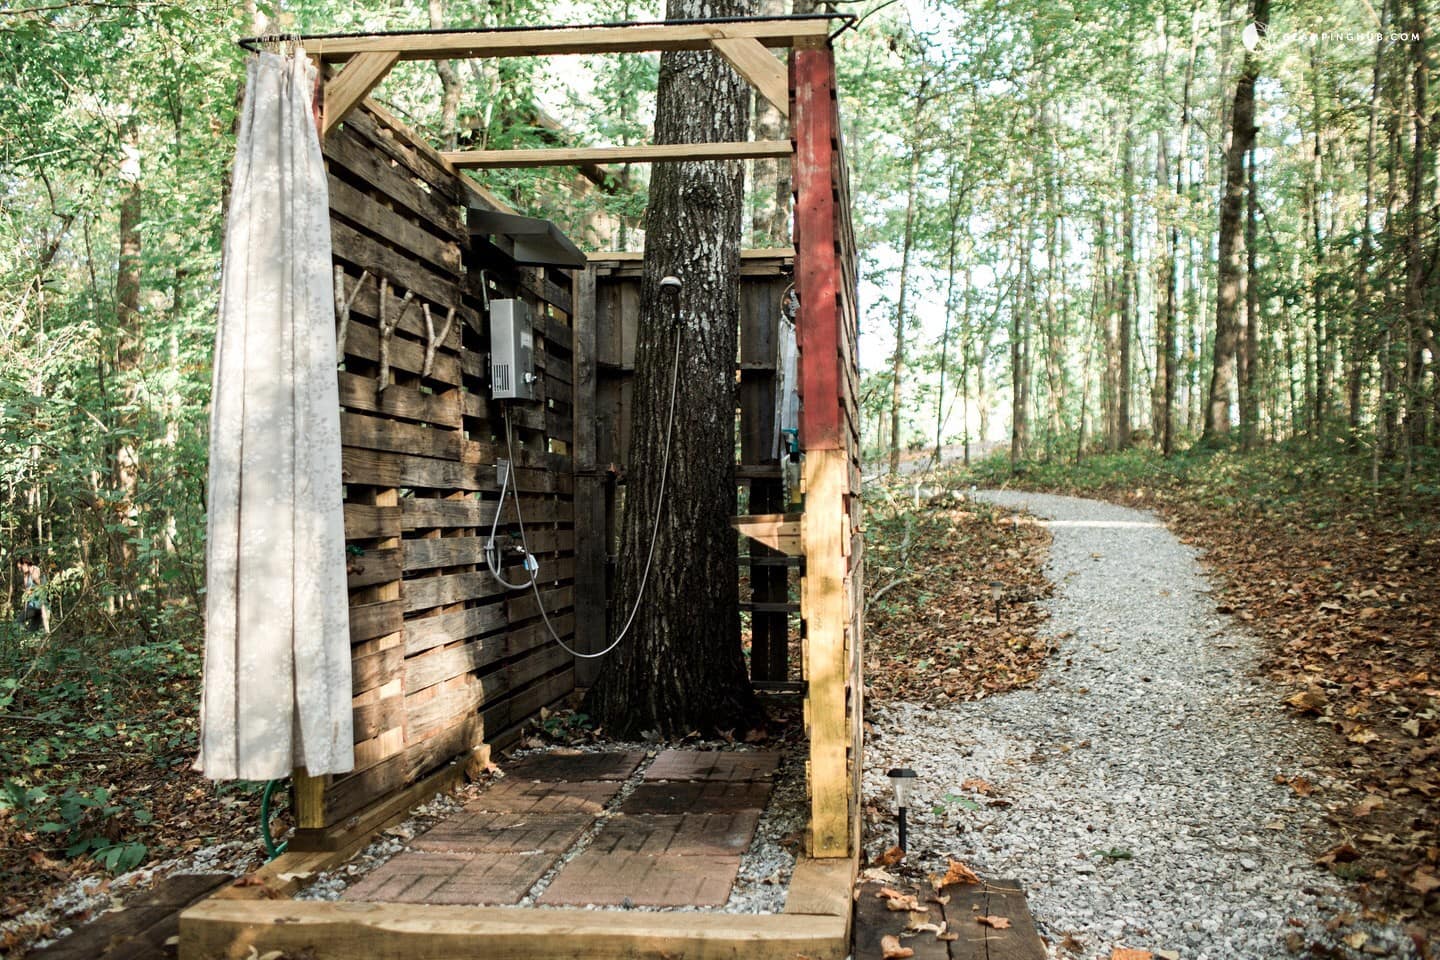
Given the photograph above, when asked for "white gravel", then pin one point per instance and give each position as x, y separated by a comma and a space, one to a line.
1136, 795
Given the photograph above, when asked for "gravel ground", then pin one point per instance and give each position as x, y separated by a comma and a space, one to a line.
1134, 786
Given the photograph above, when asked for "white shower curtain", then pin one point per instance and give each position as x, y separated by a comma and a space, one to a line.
277, 691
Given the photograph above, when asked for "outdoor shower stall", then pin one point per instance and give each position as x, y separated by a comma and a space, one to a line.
448, 665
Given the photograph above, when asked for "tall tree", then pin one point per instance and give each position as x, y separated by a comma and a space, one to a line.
681, 668
1229, 291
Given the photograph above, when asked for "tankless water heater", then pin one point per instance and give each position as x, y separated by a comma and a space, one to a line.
512, 351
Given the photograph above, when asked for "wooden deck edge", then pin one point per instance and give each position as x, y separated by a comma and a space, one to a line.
232, 929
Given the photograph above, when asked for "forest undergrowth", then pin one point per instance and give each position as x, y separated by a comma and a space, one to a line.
95, 751
935, 632
1333, 564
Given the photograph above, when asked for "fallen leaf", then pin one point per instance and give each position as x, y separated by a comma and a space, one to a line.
897, 901
1312, 700
979, 786
1356, 940
1301, 786
890, 948
892, 856
1367, 806
998, 923
1340, 853
1072, 943
1424, 882
958, 873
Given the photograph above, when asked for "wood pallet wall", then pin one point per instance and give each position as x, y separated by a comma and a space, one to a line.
445, 659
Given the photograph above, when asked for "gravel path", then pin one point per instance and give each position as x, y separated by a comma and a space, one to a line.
1135, 784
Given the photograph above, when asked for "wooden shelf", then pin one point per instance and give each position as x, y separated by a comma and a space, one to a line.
778, 531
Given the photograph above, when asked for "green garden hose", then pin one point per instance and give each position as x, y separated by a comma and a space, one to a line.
272, 849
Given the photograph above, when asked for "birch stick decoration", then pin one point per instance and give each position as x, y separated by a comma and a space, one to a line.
431, 340
342, 308
387, 330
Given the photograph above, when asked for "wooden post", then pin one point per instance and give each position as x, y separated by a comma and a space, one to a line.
590, 627
824, 436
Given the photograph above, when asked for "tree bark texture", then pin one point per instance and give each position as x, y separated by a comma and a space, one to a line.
681, 667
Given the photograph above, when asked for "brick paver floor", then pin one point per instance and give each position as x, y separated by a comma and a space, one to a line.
713, 765
686, 834
675, 841
575, 766
679, 796
505, 832
456, 878
610, 879
526, 796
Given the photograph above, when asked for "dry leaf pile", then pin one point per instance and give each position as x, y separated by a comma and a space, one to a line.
931, 630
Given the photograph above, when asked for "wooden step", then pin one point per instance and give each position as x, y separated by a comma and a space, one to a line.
964, 904
758, 607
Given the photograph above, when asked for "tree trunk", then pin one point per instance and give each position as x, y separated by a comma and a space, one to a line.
681, 667
130, 351
1360, 341
1250, 347
897, 359
1230, 279
1128, 292
1416, 320
450, 86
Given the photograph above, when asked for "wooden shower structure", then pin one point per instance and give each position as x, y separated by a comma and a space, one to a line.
447, 665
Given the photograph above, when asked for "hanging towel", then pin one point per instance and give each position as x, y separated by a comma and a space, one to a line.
787, 386
277, 692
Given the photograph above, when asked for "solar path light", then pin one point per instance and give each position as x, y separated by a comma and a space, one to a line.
901, 780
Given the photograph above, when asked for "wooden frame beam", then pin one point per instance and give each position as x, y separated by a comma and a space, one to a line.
344, 91
644, 153
637, 38
760, 68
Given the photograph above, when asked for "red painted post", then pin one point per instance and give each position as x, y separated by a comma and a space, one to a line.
822, 415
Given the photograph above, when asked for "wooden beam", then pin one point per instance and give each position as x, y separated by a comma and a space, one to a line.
778, 531
566, 40
644, 153
823, 531
361, 75
402, 931
638, 256
760, 67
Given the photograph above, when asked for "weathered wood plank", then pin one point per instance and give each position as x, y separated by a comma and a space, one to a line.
332, 931
364, 211
440, 664
366, 521
368, 620
441, 409
372, 567
374, 433
393, 182
423, 513
367, 253
430, 707
386, 469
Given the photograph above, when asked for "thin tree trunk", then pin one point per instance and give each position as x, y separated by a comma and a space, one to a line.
450, 86
897, 359
1361, 319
